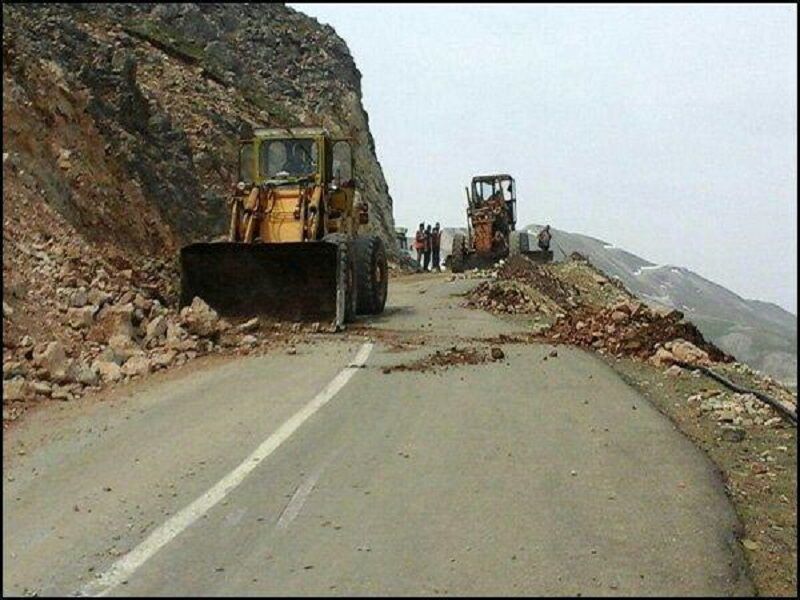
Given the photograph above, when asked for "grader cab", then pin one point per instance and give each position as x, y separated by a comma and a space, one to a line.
295, 249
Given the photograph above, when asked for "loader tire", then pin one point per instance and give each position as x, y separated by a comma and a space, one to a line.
372, 275
457, 254
348, 256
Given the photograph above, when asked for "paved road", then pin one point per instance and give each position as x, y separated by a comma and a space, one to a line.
303, 475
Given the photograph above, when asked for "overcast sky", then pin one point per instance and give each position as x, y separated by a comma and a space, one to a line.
670, 131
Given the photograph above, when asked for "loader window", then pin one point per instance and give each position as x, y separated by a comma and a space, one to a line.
246, 163
486, 189
288, 158
342, 161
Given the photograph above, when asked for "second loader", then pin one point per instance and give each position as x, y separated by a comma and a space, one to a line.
295, 249
491, 226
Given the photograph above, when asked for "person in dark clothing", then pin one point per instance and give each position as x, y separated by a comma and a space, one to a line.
436, 237
419, 243
427, 255
544, 238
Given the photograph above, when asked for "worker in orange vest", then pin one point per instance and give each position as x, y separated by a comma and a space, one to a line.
419, 243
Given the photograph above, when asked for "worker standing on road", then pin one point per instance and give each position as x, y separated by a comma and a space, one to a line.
419, 243
436, 238
428, 236
544, 238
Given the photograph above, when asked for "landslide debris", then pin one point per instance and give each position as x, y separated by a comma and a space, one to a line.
581, 306
452, 357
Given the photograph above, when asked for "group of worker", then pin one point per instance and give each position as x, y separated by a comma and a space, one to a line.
427, 243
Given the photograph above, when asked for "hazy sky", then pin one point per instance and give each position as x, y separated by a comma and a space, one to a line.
670, 131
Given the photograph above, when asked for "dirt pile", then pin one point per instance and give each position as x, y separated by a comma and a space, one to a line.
585, 308
632, 329
451, 357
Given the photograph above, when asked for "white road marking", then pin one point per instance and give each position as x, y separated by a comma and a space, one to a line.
300, 496
121, 570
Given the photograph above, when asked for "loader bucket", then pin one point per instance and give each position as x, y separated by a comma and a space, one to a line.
300, 281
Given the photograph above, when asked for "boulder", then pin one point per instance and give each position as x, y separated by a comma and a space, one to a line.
689, 353
200, 319
98, 297
79, 298
163, 359
16, 389
619, 316
108, 371
113, 320
12, 369
123, 347
136, 365
53, 359
80, 318
249, 340
662, 357
249, 325
87, 375
156, 328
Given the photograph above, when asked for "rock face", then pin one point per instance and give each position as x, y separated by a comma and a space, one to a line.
149, 100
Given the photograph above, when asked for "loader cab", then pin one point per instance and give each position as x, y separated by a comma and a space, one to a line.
294, 155
496, 187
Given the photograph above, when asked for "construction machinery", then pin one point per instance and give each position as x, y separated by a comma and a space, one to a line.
295, 248
491, 226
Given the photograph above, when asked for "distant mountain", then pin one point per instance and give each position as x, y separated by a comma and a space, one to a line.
760, 334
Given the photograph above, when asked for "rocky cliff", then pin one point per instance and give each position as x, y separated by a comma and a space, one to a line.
123, 118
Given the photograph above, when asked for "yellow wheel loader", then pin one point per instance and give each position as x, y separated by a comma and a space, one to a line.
294, 250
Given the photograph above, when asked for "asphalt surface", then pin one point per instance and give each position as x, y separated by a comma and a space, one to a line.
517, 476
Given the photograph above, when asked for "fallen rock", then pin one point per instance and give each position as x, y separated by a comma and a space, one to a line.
7, 310
673, 371
200, 319
98, 297
16, 389
619, 316
662, 357
113, 320
79, 298
249, 340
14, 369
156, 328
689, 353
42, 387
61, 393
53, 359
136, 365
87, 376
249, 325
163, 359
80, 318
497, 353
108, 371
123, 347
